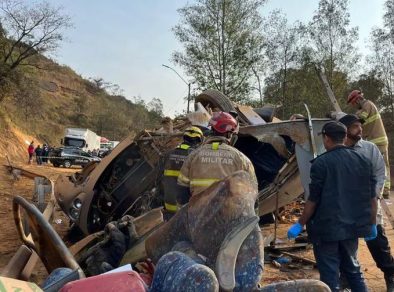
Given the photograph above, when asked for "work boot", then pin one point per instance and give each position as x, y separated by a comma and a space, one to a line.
389, 282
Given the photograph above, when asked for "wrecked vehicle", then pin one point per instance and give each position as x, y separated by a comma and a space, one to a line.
42, 242
125, 181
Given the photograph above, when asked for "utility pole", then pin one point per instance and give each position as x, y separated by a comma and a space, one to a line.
187, 83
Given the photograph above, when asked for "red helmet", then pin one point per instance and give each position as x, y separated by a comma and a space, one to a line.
354, 96
223, 122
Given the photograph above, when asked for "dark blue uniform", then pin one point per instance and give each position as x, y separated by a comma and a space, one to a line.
342, 186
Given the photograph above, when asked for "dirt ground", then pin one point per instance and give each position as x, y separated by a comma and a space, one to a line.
24, 187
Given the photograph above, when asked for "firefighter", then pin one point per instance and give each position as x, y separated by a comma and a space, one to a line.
174, 160
373, 129
216, 158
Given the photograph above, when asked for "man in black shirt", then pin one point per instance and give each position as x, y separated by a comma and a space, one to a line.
340, 209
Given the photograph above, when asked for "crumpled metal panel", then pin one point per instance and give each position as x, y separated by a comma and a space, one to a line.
297, 130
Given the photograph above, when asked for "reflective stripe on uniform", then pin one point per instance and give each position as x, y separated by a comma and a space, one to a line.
170, 172
171, 207
203, 182
183, 178
184, 146
215, 145
372, 119
380, 140
363, 115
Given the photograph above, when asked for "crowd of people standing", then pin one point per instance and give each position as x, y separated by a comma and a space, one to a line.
41, 153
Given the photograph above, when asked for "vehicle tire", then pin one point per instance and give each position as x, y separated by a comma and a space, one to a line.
67, 163
215, 98
56, 164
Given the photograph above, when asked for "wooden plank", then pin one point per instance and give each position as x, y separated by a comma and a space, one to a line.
248, 114
280, 247
137, 252
11, 169
306, 260
77, 247
148, 221
26, 173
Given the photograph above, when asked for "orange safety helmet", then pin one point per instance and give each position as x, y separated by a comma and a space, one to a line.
223, 122
354, 96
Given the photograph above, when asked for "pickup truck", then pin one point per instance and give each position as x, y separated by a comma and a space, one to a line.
69, 156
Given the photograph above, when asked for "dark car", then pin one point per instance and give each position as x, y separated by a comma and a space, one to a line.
69, 156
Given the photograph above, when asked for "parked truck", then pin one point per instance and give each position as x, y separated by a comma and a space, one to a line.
84, 139
104, 146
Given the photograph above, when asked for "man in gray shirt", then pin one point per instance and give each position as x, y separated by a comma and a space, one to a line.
379, 247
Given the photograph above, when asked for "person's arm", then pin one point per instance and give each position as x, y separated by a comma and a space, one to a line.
374, 194
365, 111
184, 193
379, 169
374, 210
309, 210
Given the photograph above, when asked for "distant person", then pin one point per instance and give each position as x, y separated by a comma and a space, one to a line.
45, 153
30, 150
38, 152
373, 129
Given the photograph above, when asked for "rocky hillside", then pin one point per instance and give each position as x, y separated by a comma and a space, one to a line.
54, 97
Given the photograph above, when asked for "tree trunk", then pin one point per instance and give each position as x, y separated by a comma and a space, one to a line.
259, 84
284, 85
222, 47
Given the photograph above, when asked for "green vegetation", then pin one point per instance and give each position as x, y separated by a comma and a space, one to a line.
269, 60
43, 98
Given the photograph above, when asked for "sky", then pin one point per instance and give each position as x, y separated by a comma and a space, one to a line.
125, 42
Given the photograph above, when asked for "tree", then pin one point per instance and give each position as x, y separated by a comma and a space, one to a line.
281, 49
156, 106
388, 18
381, 60
303, 86
26, 31
330, 40
222, 41
371, 85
